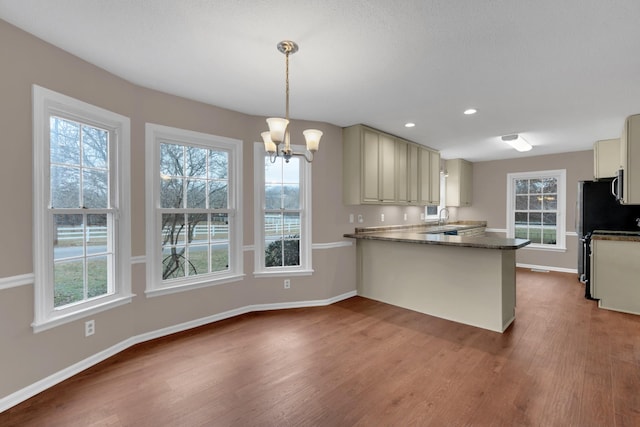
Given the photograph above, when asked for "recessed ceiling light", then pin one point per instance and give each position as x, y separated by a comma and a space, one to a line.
409, 125
470, 111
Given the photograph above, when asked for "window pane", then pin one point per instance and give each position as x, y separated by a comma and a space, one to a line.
65, 187
68, 282
97, 276
173, 262
218, 194
64, 142
95, 189
291, 196
535, 203
291, 171
549, 236
521, 233
291, 224
522, 218
171, 160
535, 219
522, 186
95, 147
173, 229
198, 229
171, 193
522, 203
291, 249
196, 162
550, 185
218, 164
535, 186
220, 257
219, 227
272, 171
198, 256
96, 234
197, 194
550, 202
549, 219
273, 196
68, 235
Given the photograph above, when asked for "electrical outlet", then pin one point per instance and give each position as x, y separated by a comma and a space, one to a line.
287, 283
360, 219
350, 218
406, 216
89, 327
381, 217
422, 216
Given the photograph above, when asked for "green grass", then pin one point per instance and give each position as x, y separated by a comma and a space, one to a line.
69, 281
536, 235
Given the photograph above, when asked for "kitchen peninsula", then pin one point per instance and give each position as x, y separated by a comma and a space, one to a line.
468, 279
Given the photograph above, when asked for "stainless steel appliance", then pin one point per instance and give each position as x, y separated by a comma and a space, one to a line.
598, 209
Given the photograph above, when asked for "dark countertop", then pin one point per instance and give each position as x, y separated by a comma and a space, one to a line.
621, 236
418, 234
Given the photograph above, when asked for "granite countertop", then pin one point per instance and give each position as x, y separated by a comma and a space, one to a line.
621, 236
420, 234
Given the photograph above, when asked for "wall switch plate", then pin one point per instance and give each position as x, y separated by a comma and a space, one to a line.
89, 327
287, 283
350, 218
422, 216
405, 216
360, 219
381, 217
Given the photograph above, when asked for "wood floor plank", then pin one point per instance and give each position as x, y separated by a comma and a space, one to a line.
563, 362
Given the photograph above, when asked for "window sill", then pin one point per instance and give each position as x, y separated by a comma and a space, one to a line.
54, 321
173, 289
534, 247
283, 273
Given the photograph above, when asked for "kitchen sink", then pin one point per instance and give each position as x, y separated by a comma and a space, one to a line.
442, 229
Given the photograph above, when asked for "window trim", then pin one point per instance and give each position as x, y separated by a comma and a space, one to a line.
561, 176
45, 104
156, 134
306, 265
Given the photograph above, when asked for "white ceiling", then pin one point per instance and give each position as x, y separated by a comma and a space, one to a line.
563, 73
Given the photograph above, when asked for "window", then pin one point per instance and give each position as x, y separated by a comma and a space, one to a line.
194, 227
82, 252
283, 214
536, 208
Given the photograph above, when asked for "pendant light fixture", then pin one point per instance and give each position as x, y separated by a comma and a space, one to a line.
278, 131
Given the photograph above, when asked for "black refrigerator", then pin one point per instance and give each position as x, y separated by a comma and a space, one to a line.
598, 209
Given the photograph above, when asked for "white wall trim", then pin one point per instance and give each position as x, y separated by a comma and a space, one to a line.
140, 259
548, 268
332, 245
248, 248
45, 383
15, 281
504, 230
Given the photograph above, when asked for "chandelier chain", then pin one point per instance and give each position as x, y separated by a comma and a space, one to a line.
287, 83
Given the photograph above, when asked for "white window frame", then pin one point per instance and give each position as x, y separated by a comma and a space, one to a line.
156, 135
47, 103
561, 176
305, 268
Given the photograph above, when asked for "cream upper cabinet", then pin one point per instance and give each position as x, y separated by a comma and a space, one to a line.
606, 158
459, 182
368, 166
429, 177
379, 168
630, 161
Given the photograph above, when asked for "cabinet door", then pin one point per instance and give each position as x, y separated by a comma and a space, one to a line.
434, 178
402, 172
370, 167
606, 158
614, 274
412, 175
630, 160
387, 169
466, 183
425, 176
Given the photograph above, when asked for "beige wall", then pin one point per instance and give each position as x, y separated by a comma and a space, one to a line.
490, 192
27, 357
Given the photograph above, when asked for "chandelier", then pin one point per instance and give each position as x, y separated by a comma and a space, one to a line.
278, 132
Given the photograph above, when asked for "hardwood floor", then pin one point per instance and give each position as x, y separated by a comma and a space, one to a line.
563, 362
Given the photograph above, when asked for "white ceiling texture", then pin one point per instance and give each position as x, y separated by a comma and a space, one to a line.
562, 73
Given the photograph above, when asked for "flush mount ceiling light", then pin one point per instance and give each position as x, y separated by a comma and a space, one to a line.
409, 125
278, 131
470, 111
517, 142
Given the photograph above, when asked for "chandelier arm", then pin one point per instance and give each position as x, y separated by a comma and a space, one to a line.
308, 159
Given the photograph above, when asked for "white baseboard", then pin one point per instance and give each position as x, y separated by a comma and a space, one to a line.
548, 268
45, 383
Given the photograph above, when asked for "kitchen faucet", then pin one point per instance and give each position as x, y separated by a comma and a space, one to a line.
638, 222
444, 220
